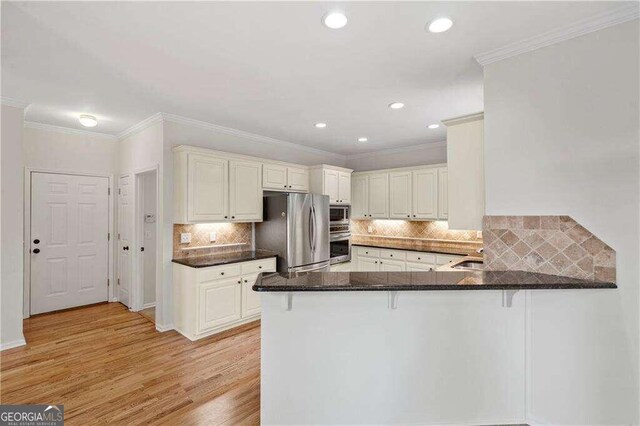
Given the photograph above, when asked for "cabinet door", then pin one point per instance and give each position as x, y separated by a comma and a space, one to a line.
331, 185
425, 194
360, 197
344, 187
274, 176
392, 265
379, 196
400, 195
245, 189
443, 193
298, 179
219, 303
250, 298
207, 188
419, 267
368, 264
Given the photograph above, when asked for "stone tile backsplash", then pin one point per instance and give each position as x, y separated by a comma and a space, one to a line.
555, 245
230, 237
428, 230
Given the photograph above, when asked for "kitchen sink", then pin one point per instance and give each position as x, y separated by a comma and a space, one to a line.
475, 265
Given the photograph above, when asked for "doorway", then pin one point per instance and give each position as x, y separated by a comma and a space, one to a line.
69, 241
146, 222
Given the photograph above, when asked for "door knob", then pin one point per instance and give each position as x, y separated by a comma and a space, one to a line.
36, 241
36, 251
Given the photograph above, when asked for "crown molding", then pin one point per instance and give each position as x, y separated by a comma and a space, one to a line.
14, 103
137, 128
66, 130
463, 119
431, 145
172, 118
601, 21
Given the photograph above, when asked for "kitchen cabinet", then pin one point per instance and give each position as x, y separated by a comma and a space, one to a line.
465, 157
368, 264
332, 181
360, 197
425, 194
279, 177
342, 267
378, 196
245, 191
392, 265
212, 299
207, 188
369, 259
443, 193
400, 196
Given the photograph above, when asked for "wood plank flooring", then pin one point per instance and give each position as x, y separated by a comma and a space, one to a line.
109, 365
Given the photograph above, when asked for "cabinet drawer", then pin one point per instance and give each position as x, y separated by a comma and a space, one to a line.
257, 266
218, 272
443, 259
392, 254
419, 267
369, 252
414, 256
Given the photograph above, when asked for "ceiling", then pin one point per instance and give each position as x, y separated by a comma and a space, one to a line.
267, 68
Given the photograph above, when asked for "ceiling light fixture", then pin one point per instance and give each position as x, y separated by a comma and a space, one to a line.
396, 105
321, 125
439, 25
88, 120
362, 139
335, 20
434, 126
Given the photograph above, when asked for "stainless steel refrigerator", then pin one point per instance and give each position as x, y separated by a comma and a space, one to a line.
296, 226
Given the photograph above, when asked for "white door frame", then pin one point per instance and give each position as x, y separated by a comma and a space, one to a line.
28, 171
137, 282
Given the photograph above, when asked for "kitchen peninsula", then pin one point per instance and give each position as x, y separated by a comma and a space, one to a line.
396, 347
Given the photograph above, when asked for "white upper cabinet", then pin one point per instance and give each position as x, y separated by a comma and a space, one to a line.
298, 179
332, 181
379, 196
443, 193
245, 189
400, 195
274, 176
425, 194
360, 195
465, 160
279, 177
207, 188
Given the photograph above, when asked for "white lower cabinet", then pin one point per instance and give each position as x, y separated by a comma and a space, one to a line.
343, 267
369, 259
392, 265
213, 299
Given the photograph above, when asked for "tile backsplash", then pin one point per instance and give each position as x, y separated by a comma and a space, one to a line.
556, 245
431, 230
229, 237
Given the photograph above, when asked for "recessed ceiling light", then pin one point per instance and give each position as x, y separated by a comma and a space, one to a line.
440, 25
362, 139
321, 125
88, 120
434, 126
396, 105
335, 20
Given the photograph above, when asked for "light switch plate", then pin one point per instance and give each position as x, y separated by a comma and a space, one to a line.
212, 237
185, 238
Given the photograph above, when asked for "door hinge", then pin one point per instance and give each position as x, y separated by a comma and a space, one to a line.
118, 281
108, 282
108, 191
108, 236
118, 235
118, 190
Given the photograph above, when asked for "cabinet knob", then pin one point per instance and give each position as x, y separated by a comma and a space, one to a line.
390, 255
414, 215
239, 281
221, 273
226, 217
36, 241
285, 186
233, 217
36, 251
246, 281
260, 267
289, 186
419, 258
408, 215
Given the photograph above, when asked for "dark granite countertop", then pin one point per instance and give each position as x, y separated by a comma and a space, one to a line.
421, 281
224, 258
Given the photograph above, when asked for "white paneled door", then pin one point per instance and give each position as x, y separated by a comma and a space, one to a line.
125, 235
69, 241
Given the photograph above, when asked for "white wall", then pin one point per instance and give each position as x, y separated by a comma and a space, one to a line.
69, 151
561, 137
11, 227
150, 238
433, 153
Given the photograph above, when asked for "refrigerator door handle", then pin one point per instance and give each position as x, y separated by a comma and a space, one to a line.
311, 228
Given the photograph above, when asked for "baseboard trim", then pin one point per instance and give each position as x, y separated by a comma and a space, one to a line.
14, 344
162, 328
149, 305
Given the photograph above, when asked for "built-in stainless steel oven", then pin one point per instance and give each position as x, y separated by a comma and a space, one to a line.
339, 234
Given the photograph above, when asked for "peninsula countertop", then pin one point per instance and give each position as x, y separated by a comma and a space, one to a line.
223, 258
421, 281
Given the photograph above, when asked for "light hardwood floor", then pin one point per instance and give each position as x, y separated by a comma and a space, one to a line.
109, 365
